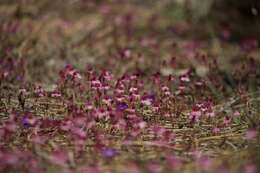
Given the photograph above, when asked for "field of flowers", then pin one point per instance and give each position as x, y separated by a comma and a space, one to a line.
92, 86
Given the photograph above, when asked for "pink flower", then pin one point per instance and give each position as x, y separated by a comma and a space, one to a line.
39, 91
10, 158
105, 87
216, 130
107, 101
36, 139
78, 132
174, 162
211, 114
250, 168
55, 94
148, 100
155, 108
167, 93
250, 134
142, 124
66, 125
195, 116
70, 72
131, 168
58, 157
89, 106
133, 90
121, 124
227, 121
10, 126
165, 88
205, 162
95, 84
154, 168
125, 53
236, 114
185, 78
2, 133
108, 76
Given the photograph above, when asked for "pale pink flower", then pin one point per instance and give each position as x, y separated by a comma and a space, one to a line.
133, 90
205, 162
154, 168
142, 124
58, 157
55, 94
250, 168
236, 114
165, 88
174, 162
131, 168
185, 79
250, 134
216, 130
227, 121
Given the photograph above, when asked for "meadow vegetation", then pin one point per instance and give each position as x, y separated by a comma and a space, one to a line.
91, 86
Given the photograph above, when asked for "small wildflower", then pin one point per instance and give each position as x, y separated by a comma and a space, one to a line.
121, 106
28, 122
174, 162
216, 130
185, 79
227, 121
58, 157
95, 84
107, 101
250, 134
133, 90
55, 94
89, 106
205, 162
236, 114
142, 124
165, 88
148, 100
109, 153
154, 168
250, 168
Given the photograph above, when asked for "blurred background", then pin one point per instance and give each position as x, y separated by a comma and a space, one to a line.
239, 16
50, 34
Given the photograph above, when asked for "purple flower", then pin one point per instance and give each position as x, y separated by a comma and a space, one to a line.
26, 122
109, 153
121, 106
